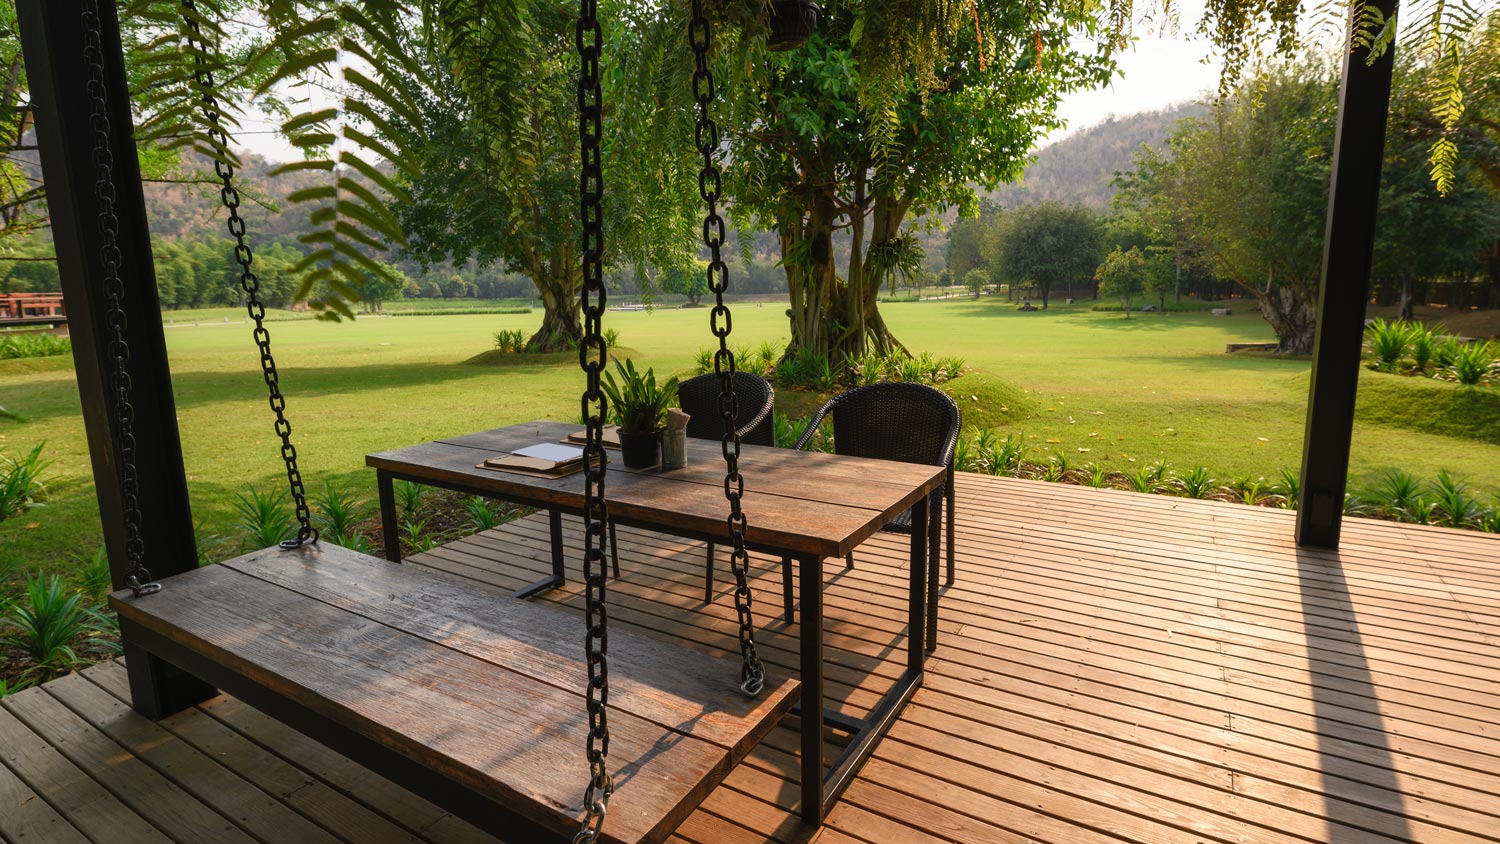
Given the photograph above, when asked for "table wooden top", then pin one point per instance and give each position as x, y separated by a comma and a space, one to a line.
796, 502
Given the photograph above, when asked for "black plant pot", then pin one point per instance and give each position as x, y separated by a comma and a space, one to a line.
638, 450
792, 21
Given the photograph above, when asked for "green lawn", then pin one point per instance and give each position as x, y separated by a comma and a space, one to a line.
1105, 389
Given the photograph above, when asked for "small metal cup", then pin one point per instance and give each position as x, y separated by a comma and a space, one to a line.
673, 449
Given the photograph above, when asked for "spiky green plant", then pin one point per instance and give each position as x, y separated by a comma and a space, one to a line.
337, 514
1004, 456
263, 519
1445, 352
483, 513
93, 575
510, 341
703, 362
952, 367
415, 532
1424, 344
1399, 494
21, 481
1198, 483
1095, 475
1055, 470
1387, 341
786, 429
45, 623
1290, 488
409, 497
1474, 364
1142, 479
1454, 504
637, 403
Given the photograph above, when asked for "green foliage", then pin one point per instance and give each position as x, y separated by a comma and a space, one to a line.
975, 281
1399, 494
510, 340
983, 451
1454, 504
1049, 246
21, 481
1474, 364
264, 519
409, 497
636, 403
484, 513
807, 367
1095, 475
45, 624
337, 514
93, 575
418, 537
33, 345
1290, 488
1122, 276
1388, 341
1424, 342
1198, 483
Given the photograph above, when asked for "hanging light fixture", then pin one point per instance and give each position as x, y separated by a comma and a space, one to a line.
792, 21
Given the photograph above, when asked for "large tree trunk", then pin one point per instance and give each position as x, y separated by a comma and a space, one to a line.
1408, 296
558, 282
1492, 262
832, 317
1293, 315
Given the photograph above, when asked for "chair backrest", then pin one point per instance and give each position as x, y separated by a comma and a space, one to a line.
913, 423
699, 398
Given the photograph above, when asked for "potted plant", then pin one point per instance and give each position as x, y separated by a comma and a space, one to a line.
639, 406
792, 21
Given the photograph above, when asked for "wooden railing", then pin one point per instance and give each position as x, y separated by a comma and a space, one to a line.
31, 307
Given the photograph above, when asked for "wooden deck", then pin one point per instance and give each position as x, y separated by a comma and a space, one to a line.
1112, 667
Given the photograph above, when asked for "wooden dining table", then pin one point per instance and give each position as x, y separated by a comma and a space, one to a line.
804, 505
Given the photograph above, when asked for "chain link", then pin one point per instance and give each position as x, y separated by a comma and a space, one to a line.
119, 381
249, 281
706, 136
592, 354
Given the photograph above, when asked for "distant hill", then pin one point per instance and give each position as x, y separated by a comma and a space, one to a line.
1080, 167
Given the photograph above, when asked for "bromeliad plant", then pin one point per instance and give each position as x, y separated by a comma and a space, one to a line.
637, 403
45, 624
263, 518
337, 516
21, 481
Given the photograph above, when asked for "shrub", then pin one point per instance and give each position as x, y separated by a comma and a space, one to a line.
1453, 504
1473, 364
1143, 479
1399, 494
511, 341
33, 345
415, 532
1290, 489
45, 623
1197, 483
703, 363
1055, 470
337, 514
1387, 341
263, 518
483, 513
1424, 343
94, 578
409, 496
21, 481
1446, 351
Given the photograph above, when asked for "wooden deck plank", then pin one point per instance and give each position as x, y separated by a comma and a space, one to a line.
1112, 668
332, 811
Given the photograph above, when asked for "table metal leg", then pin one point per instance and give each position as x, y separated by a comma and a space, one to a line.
812, 689
558, 577
388, 527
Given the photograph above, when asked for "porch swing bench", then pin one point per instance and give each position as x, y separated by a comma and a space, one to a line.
469, 697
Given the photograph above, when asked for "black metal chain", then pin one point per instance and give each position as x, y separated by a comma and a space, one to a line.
120, 385
710, 186
592, 354
249, 281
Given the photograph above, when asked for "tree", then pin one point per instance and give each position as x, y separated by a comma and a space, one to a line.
690, 281
1122, 276
1249, 184
1161, 276
975, 281
810, 159
378, 288
455, 287
1050, 245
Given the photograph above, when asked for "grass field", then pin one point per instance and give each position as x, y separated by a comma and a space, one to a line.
1089, 385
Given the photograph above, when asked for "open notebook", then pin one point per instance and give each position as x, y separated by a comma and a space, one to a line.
551, 460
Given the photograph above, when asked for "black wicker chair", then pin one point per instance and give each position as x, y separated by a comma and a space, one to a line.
699, 398
913, 423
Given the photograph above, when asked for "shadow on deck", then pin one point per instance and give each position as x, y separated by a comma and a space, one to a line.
1112, 667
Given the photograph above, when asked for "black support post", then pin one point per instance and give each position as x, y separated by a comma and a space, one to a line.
1348, 244
53, 44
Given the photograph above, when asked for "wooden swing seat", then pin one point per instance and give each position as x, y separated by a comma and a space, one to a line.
471, 698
